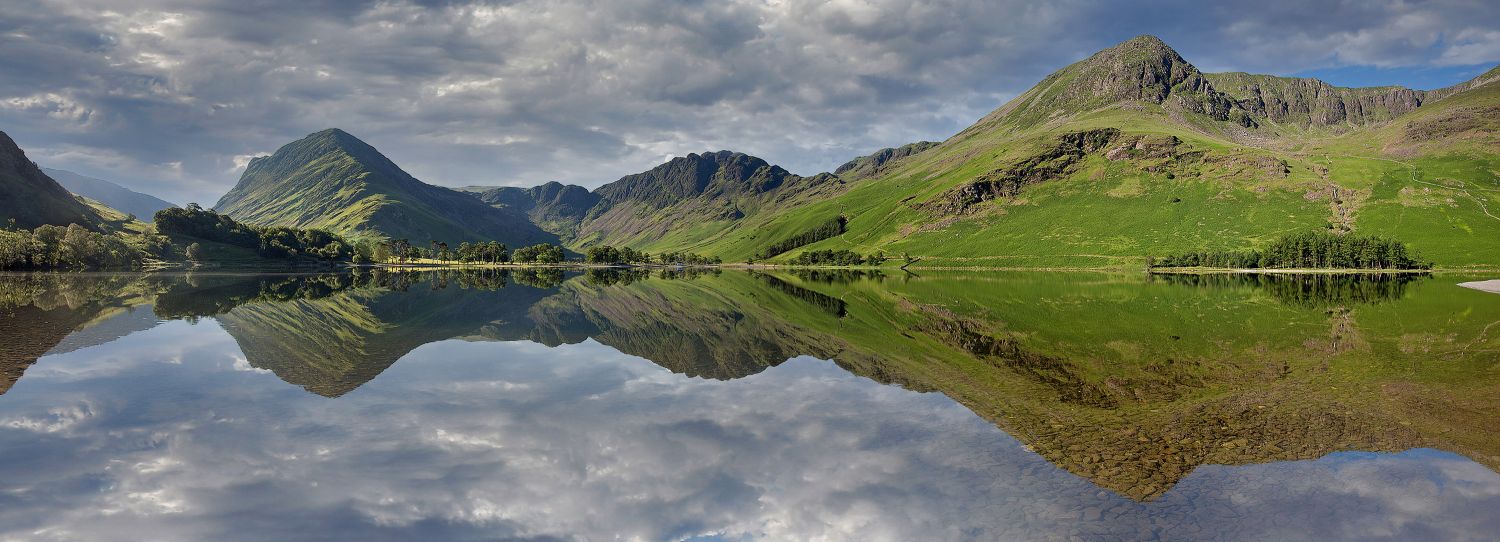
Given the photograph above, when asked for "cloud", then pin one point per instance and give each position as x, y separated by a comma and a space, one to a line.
523, 91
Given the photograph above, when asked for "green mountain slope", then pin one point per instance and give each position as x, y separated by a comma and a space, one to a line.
694, 194
687, 201
333, 181
31, 198
1134, 152
143, 206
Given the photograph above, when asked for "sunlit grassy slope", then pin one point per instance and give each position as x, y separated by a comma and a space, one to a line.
331, 180
1429, 177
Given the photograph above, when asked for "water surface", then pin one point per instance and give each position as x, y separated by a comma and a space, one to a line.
735, 405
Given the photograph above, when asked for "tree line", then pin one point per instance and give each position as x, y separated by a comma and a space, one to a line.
403, 250
1311, 250
268, 242
74, 246
837, 257
606, 254
833, 227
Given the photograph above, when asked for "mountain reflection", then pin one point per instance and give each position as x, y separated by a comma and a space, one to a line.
1129, 384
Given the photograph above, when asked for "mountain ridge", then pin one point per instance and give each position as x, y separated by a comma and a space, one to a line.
332, 180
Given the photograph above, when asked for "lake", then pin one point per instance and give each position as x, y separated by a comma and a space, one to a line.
740, 405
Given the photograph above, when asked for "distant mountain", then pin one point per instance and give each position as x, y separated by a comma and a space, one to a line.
117, 197
555, 207
32, 198
693, 193
687, 201
331, 180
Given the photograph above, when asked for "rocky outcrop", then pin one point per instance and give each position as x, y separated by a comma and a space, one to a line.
1310, 102
1144, 146
1054, 163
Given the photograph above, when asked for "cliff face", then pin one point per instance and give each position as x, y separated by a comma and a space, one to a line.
1310, 102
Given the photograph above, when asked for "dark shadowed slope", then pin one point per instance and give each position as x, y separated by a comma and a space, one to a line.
32, 198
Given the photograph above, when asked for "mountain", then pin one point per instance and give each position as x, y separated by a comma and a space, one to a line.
32, 198
333, 181
683, 203
117, 197
1133, 151
691, 194
555, 207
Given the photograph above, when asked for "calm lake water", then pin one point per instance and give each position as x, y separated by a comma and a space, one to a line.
738, 405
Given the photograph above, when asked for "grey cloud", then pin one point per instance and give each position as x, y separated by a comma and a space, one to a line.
164, 94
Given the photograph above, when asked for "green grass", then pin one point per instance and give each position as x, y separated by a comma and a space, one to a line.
1114, 214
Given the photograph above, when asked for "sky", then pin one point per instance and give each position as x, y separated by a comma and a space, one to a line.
173, 97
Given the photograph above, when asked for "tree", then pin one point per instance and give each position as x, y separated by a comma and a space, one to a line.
604, 254
550, 254
832, 227
194, 252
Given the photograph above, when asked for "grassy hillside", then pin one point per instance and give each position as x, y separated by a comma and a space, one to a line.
1133, 153
332, 181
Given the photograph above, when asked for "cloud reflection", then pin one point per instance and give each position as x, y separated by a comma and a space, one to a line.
471, 441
